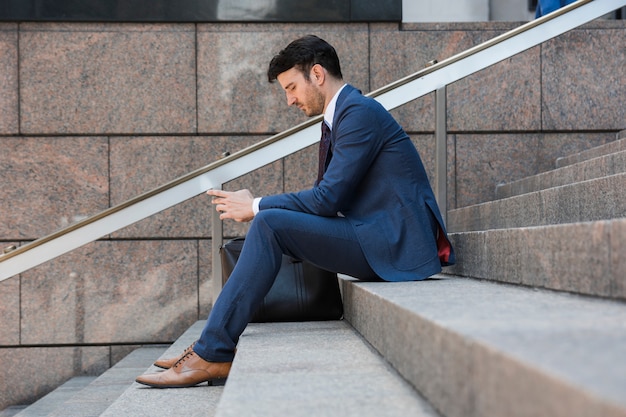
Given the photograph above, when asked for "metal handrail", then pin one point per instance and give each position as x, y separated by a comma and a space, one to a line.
395, 94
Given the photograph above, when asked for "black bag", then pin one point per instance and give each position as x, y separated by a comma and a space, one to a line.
301, 292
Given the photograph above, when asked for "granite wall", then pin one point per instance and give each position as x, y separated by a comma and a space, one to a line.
94, 114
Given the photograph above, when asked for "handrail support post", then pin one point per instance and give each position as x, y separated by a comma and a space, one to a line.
217, 238
441, 152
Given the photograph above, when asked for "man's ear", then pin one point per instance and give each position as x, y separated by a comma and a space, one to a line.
317, 74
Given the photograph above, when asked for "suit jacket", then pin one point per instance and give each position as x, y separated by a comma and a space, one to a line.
376, 179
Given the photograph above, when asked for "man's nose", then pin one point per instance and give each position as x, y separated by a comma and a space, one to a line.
290, 100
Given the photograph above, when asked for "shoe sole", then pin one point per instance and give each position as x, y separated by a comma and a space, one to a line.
210, 382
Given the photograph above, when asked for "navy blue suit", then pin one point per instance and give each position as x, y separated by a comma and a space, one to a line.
376, 179
389, 224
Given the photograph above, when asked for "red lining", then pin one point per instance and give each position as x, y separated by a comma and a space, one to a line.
443, 246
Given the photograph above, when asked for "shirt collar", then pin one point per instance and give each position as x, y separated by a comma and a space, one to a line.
329, 114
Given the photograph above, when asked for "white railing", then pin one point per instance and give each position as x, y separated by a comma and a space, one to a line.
433, 78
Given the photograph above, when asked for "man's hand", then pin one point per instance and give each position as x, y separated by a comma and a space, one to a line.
235, 205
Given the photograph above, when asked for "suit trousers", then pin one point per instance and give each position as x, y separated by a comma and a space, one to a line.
327, 242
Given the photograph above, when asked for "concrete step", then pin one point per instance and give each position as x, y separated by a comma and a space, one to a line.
89, 396
588, 169
93, 399
286, 369
584, 258
611, 147
314, 369
139, 400
12, 410
483, 349
57, 398
598, 199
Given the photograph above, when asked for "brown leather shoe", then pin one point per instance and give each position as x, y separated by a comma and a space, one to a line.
188, 371
168, 363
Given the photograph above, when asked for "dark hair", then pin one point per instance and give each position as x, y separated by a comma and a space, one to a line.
302, 54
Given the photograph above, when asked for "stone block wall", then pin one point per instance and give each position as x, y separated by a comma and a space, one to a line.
94, 114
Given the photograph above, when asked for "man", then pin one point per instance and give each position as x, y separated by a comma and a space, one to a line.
371, 213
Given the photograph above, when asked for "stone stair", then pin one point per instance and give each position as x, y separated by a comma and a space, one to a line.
139, 400
86, 396
530, 322
606, 149
57, 398
598, 162
314, 369
114, 393
291, 369
564, 229
480, 348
